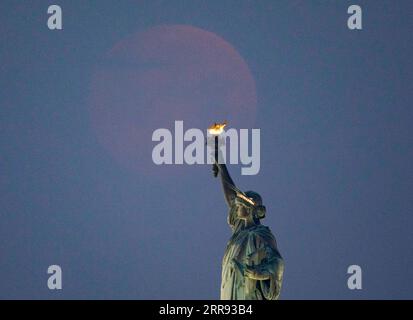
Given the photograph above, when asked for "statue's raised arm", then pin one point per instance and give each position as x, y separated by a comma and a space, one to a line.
219, 167
228, 185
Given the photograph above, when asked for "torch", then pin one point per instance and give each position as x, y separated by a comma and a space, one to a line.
215, 130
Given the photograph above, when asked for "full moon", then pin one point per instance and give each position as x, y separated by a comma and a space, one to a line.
163, 74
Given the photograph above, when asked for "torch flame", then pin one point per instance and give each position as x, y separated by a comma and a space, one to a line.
217, 128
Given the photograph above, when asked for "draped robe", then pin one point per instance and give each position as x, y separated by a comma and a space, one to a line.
253, 246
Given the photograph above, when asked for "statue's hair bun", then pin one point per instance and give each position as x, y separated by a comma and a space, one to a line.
260, 211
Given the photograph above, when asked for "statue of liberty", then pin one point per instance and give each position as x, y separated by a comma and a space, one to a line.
252, 267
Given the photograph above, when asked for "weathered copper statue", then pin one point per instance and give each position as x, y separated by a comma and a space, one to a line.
252, 267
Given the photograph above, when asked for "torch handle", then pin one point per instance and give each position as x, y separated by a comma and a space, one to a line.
215, 165
216, 149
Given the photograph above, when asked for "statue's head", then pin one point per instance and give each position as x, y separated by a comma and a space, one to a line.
256, 212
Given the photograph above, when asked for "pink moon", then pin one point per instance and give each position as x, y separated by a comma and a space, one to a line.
163, 74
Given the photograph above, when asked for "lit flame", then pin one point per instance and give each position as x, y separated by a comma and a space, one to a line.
217, 128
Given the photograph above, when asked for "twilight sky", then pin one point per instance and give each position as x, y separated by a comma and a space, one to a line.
78, 107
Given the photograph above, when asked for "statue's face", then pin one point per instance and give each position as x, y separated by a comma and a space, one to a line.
242, 212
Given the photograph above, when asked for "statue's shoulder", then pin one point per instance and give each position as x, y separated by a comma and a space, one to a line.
262, 231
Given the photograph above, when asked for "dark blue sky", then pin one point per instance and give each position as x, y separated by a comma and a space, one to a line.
335, 113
